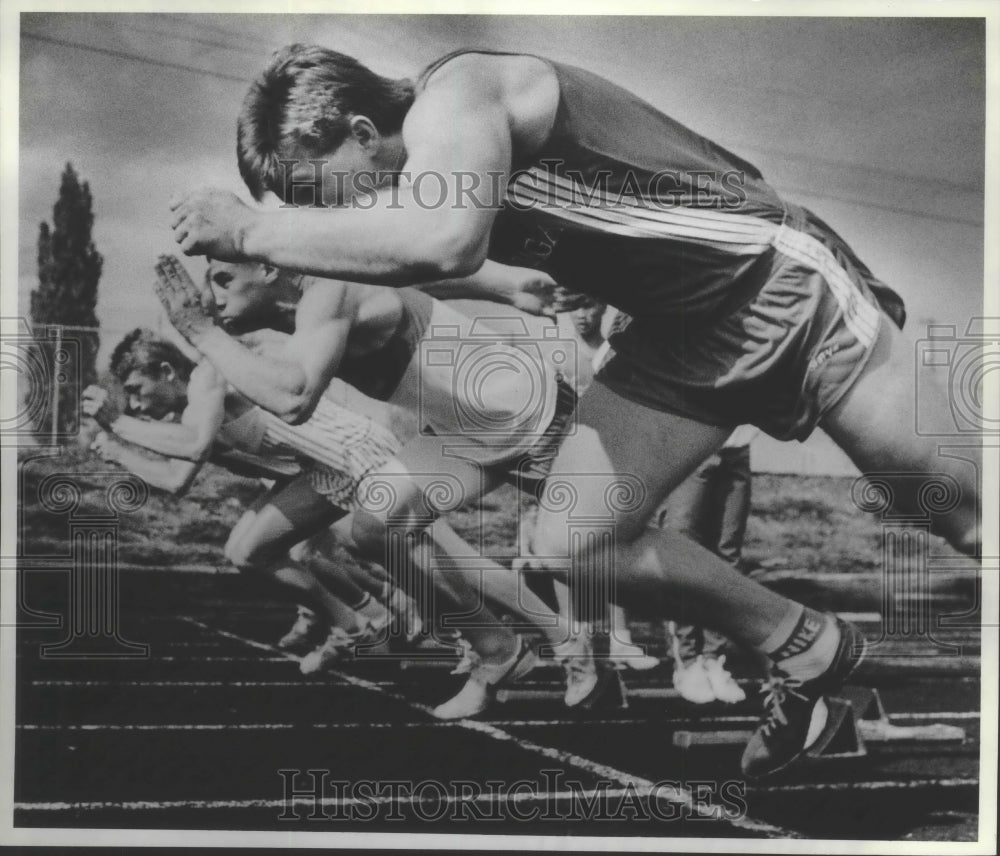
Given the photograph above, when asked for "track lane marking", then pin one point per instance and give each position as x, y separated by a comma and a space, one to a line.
437, 723
675, 795
331, 802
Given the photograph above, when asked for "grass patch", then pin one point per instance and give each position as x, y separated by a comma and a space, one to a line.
801, 522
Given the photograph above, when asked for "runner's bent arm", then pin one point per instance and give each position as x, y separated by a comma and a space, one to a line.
191, 438
170, 474
457, 129
289, 381
529, 290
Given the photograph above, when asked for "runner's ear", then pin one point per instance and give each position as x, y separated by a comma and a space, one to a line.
365, 132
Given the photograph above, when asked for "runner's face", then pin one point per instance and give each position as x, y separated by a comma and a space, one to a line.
242, 292
349, 172
587, 319
155, 396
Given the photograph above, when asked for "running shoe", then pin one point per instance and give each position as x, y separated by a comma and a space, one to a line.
724, 686
624, 653
339, 643
307, 632
797, 717
478, 691
587, 679
692, 681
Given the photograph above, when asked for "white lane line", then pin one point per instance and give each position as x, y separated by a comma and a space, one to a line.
230, 726
438, 799
951, 714
910, 784
671, 794
532, 723
127, 684
508, 723
190, 658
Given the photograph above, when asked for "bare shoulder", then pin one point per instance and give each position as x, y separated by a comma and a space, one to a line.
525, 87
325, 300
205, 379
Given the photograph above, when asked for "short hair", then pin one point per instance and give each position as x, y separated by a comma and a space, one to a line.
586, 301
304, 99
144, 351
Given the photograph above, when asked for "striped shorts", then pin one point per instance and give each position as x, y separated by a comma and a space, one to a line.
340, 447
781, 360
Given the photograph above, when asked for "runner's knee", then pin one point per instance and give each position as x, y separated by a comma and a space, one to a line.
368, 534
248, 554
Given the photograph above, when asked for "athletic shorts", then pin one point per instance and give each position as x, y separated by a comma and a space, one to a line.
529, 470
781, 360
295, 498
337, 447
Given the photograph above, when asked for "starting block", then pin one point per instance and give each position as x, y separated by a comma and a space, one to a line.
856, 720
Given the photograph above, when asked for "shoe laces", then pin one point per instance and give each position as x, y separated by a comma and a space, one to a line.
777, 689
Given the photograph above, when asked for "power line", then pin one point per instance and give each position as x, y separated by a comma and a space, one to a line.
789, 188
135, 57
186, 19
193, 39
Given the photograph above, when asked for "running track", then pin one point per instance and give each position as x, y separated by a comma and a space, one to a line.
194, 736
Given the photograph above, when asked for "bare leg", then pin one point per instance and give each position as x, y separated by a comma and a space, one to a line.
875, 423
315, 554
259, 545
422, 469
621, 448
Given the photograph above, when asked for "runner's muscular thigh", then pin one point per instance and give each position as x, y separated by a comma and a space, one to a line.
620, 461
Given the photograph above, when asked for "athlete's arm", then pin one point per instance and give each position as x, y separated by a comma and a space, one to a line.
191, 439
529, 290
458, 132
285, 374
289, 381
170, 474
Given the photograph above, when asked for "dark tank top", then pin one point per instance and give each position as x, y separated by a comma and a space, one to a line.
378, 374
630, 206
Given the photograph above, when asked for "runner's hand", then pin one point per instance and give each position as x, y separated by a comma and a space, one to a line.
212, 223
106, 446
188, 307
537, 293
98, 404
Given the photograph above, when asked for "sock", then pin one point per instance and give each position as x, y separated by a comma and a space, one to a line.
804, 643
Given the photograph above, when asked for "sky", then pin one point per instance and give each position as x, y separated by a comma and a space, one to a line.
875, 124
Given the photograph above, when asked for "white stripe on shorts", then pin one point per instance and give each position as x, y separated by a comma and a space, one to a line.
860, 316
